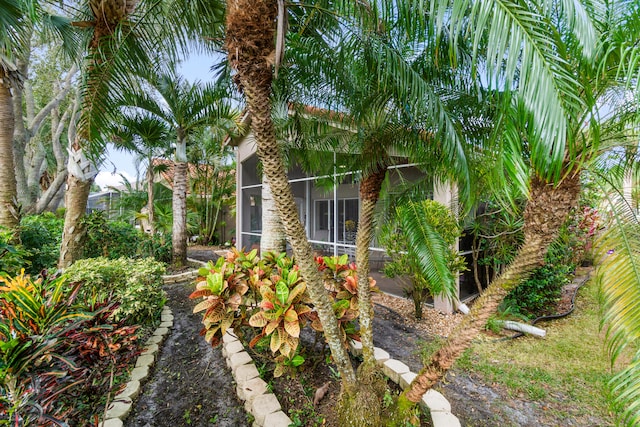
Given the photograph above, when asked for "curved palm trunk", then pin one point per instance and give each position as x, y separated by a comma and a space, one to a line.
249, 41
273, 237
546, 210
179, 230
8, 211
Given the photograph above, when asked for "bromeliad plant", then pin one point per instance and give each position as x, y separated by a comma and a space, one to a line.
269, 295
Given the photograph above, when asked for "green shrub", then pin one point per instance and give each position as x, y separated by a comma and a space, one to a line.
539, 294
135, 284
156, 246
12, 256
116, 239
41, 236
110, 239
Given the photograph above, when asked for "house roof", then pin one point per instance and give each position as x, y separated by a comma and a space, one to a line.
193, 171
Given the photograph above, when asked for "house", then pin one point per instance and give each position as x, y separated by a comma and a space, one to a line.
328, 213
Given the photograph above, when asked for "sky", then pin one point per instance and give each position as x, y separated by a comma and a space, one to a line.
118, 162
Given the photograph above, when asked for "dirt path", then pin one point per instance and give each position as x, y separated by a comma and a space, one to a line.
190, 384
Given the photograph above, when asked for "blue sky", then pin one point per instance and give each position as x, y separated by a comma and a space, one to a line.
117, 162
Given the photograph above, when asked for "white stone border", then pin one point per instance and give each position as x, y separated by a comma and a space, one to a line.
250, 388
183, 277
399, 373
266, 408
122, 403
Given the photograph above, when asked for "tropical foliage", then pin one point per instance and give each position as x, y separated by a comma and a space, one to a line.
135, 285
58, 355
269, 294
418, 233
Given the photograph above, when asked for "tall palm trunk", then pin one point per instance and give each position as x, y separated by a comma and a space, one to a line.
150, 197
78, 188
273, 237
8, 212
179, 230
546, 210
249, 41
369, 193
107, 14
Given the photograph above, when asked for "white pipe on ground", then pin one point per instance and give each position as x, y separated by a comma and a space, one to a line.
523, 327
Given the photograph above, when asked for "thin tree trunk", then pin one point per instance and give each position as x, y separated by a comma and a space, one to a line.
273, 238
546, 211
150, 197
475, 254
8, 209
50, 194
179, 230
369, 193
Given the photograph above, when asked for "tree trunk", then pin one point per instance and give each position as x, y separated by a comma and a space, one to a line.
8, 209
369, 192
81, 174
150, 197
249, 41
50, 195
179, 230
273, 238
546, 211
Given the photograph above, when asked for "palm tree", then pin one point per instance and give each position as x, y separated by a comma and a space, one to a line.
251, 28
121, 33
185, 108
146, 136
110, 42
554, 184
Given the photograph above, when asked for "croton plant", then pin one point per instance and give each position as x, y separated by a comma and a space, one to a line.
269, 294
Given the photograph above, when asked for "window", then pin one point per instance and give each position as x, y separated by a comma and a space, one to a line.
347, 218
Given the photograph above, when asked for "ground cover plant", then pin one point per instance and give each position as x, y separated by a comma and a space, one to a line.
59, 355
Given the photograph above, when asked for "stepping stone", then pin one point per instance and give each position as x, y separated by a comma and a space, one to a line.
112, 422
131, 390
139, 374
406, 379
161, 332
277, 419
380, 355
233, 347
251, 389
435, 401
146, 360
245, 373
150, 349
239, 359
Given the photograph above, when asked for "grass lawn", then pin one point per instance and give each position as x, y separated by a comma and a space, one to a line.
565, 373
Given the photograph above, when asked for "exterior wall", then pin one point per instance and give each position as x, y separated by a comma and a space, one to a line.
330, 239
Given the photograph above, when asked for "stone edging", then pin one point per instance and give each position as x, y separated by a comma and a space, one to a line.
122, 403
183, 277
266, 408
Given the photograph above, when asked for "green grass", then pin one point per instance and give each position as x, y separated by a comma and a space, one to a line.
570, 366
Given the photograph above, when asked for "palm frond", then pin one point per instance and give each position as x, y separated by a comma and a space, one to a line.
429, 248
618, 274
